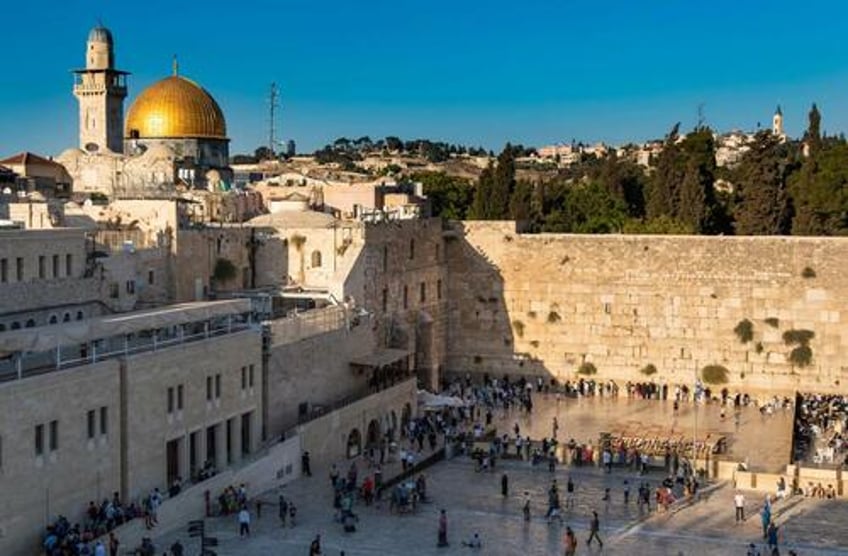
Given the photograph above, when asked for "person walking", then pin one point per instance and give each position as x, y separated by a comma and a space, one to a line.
114, 543
283, 510
244, 521
765, 517
304, 464
315, 546
739, 504
443, 530
772, 536
504, 485
525, 509
570, 542
177, 548
594, 528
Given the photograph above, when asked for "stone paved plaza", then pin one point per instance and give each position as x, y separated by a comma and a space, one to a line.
474, 503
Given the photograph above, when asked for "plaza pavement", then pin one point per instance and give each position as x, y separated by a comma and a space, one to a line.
474, 503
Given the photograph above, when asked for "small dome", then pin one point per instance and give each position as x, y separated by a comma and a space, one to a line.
175, 107
100, 34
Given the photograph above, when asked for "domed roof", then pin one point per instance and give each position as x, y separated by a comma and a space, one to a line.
175, 107
100, 34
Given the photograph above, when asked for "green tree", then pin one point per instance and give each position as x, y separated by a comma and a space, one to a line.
450, 196
762, 201
661, 199
521, 203
495, 187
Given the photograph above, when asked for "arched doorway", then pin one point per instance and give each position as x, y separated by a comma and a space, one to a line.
405, 417
372, 439
354, 443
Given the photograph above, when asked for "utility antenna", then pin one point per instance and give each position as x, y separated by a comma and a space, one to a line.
701, 115
272, 108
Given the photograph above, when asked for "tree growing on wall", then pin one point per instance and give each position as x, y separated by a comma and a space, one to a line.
224, 271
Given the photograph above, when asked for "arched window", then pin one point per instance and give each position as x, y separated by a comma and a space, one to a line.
66, 317
316, 259
16, 325
2, 327
80, 315
30, 323
53, 319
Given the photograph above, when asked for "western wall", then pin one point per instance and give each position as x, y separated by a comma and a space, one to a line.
545, 304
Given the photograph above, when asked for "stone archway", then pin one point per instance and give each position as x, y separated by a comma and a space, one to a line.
354, 444
405, 418
372, 438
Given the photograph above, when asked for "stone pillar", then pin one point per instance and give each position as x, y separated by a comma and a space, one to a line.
221, 445
235, 428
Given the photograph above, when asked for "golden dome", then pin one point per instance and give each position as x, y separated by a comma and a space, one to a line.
175, 107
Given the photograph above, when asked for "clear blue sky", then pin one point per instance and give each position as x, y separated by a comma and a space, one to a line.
534, 72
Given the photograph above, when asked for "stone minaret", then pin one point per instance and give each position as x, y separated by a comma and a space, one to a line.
100, 90
777, 123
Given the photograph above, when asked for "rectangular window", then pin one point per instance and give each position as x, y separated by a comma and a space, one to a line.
439, 289
385, 300
179, 397
19, 269
250, 376
104, 420
422, 292
150, 277
130, 287
114, 290
55, 266
54, 436
209, 388
170, 399
217, 386
91, 424
405, 297
69, 265
39, 440
243, 378
4, 270
41, 267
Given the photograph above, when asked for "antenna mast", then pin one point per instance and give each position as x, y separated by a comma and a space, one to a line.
272, 106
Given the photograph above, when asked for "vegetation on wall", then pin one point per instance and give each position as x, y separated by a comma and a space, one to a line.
774, 322
744, 331
298, 241
224, 271
553, 317
715, 374
587, 368
808, 272
648, 370
519, 328
800, 337
801, 356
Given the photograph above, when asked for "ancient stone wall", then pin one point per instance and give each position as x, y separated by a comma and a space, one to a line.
546, 304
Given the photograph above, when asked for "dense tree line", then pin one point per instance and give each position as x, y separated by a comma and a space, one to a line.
432, 151
778, 187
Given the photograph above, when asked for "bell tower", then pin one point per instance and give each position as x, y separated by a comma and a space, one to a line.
100, 90
777, 123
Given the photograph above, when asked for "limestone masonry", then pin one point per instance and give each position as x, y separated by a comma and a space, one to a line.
548, 303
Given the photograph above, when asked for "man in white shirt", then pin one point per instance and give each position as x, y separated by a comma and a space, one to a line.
739, 502
244, 522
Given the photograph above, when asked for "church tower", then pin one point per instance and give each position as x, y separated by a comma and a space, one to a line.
777, 123
100, 90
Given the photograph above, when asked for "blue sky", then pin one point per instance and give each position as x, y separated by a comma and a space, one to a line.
479, 73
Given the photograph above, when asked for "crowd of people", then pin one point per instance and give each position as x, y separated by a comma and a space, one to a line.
820, 425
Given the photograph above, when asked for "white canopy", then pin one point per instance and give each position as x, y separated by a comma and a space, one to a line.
438, 401
46, 338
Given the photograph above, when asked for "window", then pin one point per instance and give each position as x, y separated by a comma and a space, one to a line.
104, 420
422, 292
316, 259
243, 378
114, 290
66, 317
130, 287
170, 399
80, 315
55, 266
217, 386
439, 289
4, 270
19, 269
39, 440
179, 397
385, 258
15, 325
54, 436
150, 277
30, 323
405, 297
411, 249
2, 327
250, 376
41, 267
69, 265
209, 388
91, 424
385, 299
53, 319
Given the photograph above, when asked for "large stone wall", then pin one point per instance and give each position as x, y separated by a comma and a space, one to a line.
544, 304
